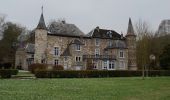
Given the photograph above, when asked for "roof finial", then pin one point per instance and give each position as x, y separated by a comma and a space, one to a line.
42, 9
41, 24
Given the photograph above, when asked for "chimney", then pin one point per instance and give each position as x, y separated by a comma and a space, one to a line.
63, 21
98, 28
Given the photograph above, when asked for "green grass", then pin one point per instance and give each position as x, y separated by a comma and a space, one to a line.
156, 88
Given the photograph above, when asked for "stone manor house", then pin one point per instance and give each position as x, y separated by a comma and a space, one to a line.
66, 45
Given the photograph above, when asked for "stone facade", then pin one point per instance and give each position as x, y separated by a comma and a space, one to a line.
102, 49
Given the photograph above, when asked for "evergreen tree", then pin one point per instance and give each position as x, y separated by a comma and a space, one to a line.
165, 58
10, 35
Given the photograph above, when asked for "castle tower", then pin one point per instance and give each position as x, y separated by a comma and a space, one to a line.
131, 44
40, 41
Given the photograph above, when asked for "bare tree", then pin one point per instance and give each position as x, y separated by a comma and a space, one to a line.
3, 26
144, 35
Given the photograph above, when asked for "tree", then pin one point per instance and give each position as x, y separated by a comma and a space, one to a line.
143, 50
10, 35
165, 58
2, 26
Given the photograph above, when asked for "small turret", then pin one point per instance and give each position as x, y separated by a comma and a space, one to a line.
131, 44
40, 41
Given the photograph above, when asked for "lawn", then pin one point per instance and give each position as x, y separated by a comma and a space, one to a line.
134, 88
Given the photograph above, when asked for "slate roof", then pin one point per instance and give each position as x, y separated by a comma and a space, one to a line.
76, 41
117, 44
130, 30
63, 28
103, 33
30, 48
41, 24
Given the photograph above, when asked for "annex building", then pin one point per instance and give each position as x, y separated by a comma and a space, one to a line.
65, 44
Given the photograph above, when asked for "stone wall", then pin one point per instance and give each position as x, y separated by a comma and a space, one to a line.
131, 42
20, 59
46, 46
40, 45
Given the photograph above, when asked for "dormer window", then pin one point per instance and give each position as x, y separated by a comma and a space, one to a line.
109, 33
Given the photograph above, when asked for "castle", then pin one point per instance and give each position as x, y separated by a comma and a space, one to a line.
64, 44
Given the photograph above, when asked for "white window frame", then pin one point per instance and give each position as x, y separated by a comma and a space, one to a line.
78, 47
111, 65
56, 62
56, 51
121, 54
97, 52
105, 65
78, 58
97, 42
95, 63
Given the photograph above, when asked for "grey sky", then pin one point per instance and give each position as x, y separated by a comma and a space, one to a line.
87, 14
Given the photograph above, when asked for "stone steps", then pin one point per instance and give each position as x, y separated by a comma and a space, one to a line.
23, 75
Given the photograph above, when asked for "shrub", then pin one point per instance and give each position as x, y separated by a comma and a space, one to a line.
58, 67
1, 65
95, 73
6, 73
90, 67
7, 65
33, 67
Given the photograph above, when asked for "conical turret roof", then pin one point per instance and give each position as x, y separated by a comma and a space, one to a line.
41, 24
130, 30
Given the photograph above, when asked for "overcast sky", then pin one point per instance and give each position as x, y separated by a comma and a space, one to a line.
87, 14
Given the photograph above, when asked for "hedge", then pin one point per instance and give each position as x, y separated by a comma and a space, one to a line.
6, 73
96, 73
37, 66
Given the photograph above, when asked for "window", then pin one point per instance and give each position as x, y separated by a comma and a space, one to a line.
32, 56
121, 65
97, 42
121, 54
42, 61
109, 33
78, 59
95, 64
77, 47
56, 62
110, 42
84, 41
111, 65
105, 65
97, 52
65, 58
56, 51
